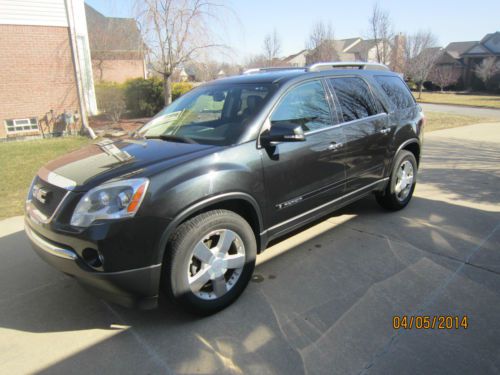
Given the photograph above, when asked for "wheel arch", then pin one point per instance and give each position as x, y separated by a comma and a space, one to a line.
414, 148
241, 203
412, 145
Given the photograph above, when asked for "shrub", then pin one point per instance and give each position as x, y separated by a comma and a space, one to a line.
180, 88
110, 99
144, 97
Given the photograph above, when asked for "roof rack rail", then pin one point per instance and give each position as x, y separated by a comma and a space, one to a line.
271, 69
352, 65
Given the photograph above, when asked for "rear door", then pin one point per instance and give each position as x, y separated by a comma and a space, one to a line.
300, 176
366, 129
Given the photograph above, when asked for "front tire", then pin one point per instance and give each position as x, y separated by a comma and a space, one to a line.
209, 261
402, 183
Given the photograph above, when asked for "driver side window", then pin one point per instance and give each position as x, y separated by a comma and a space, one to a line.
305, 105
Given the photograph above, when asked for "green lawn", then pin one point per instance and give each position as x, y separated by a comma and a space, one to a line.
491, 101
439, 120
19, 162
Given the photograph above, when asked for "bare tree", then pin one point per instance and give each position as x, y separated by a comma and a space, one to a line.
272, 47
256, 61
321, 44
487, 69
445, 75
381, 31
210, 69
176, 31
420, 55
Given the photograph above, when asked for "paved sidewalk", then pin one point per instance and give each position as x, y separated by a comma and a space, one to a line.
322, 302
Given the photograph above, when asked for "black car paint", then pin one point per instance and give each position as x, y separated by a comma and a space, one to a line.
279, 187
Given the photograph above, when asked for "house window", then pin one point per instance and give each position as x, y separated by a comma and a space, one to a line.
21, 125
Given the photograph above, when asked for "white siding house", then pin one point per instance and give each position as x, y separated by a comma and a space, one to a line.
45, 61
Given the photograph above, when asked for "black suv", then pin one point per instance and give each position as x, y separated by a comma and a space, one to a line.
184, 205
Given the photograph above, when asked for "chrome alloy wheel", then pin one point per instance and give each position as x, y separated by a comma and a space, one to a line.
216, 264
404, 180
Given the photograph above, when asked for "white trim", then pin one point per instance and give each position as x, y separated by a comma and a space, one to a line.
15, 131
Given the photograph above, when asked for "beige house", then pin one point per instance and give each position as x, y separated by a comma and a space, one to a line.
353, 49
297, 59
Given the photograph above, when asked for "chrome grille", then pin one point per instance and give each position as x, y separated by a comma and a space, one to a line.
46, 197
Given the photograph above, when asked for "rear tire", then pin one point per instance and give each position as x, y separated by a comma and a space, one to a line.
209, 261
402, 183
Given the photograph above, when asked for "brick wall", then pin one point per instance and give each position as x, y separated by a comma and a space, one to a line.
36, 72
397, 54
116, 70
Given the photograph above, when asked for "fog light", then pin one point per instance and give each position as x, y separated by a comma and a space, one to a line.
92, 257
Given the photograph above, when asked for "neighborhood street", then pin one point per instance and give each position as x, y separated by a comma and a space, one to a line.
461, 110
321, 302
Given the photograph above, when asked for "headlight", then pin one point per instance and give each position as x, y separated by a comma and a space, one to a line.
113, 200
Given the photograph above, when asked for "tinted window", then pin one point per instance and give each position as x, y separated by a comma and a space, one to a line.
212, 114
251, 100
305, 105
355, 98
399, 95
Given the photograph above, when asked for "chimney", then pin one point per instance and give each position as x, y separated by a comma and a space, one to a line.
397, 53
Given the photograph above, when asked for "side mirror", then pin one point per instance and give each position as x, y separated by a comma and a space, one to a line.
282, 132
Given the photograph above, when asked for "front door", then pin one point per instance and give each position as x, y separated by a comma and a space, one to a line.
300, 176
367, 131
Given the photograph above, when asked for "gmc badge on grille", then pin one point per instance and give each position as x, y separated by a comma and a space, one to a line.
40, 194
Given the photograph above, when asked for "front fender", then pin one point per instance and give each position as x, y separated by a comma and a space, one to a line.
201, 205
231, 174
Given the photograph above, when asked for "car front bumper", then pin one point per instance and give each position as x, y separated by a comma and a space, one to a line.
131, 288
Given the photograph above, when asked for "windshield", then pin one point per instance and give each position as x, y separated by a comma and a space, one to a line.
215, 114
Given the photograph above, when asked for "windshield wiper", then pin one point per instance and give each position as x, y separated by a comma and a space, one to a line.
171, 138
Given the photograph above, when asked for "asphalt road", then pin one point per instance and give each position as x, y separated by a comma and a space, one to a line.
322, 301
462, 110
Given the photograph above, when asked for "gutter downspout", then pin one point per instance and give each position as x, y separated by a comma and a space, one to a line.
76, 63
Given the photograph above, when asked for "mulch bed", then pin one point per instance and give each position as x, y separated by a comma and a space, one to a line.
102, 125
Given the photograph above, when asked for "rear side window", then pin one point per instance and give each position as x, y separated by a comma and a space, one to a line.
355, 98
399, 95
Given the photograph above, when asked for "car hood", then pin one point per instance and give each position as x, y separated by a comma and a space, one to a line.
108, 159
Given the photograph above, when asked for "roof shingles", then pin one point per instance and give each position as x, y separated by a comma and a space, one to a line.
111, 37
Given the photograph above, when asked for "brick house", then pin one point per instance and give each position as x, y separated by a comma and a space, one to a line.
116, 47
45, 65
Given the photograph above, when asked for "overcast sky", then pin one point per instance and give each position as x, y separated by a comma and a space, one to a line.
450, 21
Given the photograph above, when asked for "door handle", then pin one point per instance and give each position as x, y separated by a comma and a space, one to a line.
335, 146
385, 131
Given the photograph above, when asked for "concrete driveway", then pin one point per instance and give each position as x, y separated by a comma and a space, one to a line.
322, 301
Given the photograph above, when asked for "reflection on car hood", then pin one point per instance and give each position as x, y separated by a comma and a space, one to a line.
109, 159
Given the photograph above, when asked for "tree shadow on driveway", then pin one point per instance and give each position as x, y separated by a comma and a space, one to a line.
469, 170
325, 305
